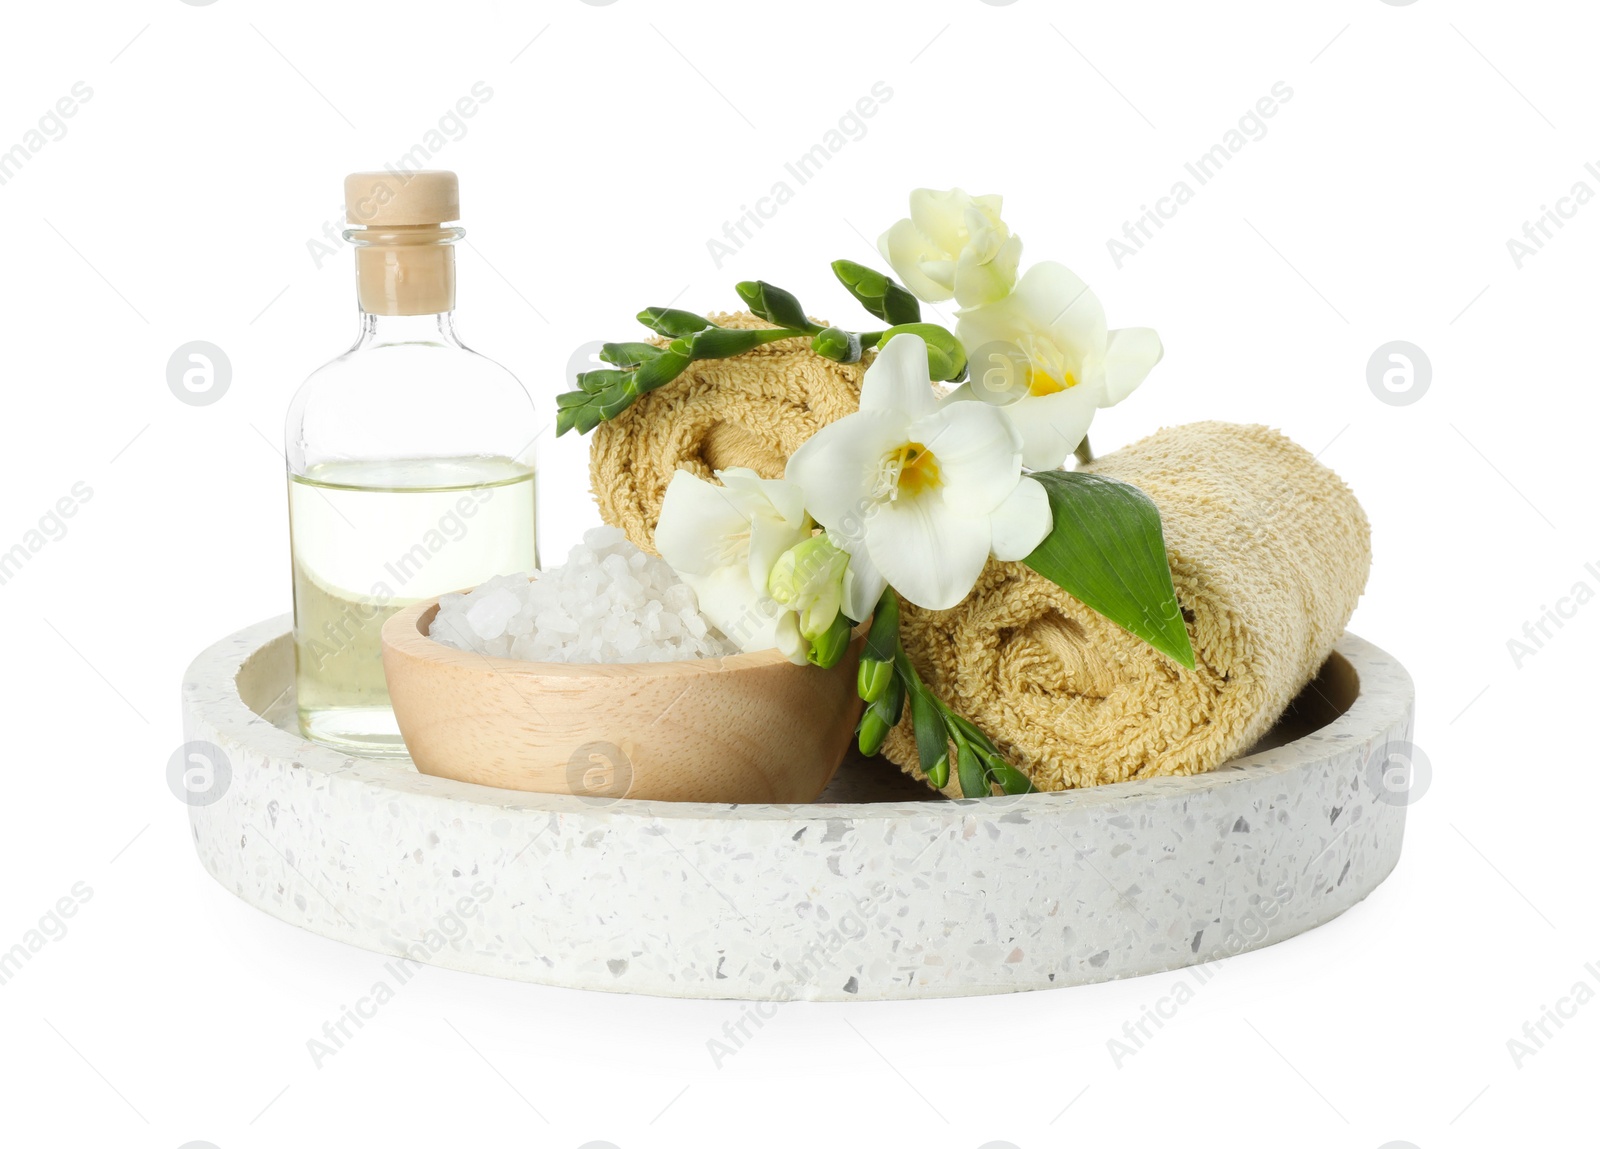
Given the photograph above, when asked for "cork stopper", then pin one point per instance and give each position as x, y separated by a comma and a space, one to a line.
404, 262
401, 199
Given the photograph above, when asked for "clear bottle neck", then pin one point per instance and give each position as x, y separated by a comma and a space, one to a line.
405, 272
432, 329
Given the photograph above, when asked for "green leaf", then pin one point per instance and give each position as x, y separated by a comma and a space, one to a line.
628, 354
947, 359
878, 293
932, 738
776, 305
1012, 780
883, 636
969, 770
672, 323
927, 722
1106, 550
965, 728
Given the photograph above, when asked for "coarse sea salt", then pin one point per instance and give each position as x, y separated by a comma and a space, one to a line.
609, 602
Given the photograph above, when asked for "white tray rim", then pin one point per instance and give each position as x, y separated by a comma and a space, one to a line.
1373, 713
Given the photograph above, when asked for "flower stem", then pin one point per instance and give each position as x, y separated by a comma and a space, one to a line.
936, 725
1084, 453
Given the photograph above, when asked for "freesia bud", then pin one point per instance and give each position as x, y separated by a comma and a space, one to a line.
671, 322
878, 293
872, 732
880, 717
808, 578
660, 370
947, 359
829, 647
873, 678
837, 344
628, 355
775, 305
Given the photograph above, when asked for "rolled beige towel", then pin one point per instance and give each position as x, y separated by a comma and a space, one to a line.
749, 411
1269, 553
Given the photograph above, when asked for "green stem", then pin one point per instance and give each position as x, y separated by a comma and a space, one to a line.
965, 733
1084, 453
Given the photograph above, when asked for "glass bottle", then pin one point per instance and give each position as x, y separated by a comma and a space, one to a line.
410, 460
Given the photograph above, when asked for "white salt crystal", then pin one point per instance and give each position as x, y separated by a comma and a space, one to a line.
610, 602
489, 613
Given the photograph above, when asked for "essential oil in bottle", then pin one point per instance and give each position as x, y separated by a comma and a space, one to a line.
410, 458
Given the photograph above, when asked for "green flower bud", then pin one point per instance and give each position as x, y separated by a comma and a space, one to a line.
583, 419
672, 323
829, 647
776, 305
661, 370
726, 342
628, 354
871, 732
808, 578
837, 344
617, 400
947, 359
939, 776
603, 379
873, 678
880, 717
878, 293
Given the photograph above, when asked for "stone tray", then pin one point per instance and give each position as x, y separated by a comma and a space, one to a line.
877, 891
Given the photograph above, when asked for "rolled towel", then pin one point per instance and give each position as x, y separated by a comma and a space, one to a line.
749, 411
1269, 553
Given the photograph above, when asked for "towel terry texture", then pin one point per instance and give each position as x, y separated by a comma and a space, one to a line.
749, 411
1269, 553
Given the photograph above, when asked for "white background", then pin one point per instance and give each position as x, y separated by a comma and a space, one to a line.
618, 140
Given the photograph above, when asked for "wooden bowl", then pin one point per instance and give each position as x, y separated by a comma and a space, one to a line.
745, 728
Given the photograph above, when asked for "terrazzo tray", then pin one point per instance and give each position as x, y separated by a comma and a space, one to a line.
877, 891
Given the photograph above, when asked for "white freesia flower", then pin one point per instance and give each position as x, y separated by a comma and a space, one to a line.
954, 244
920, 495
1074, 364
724, 541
